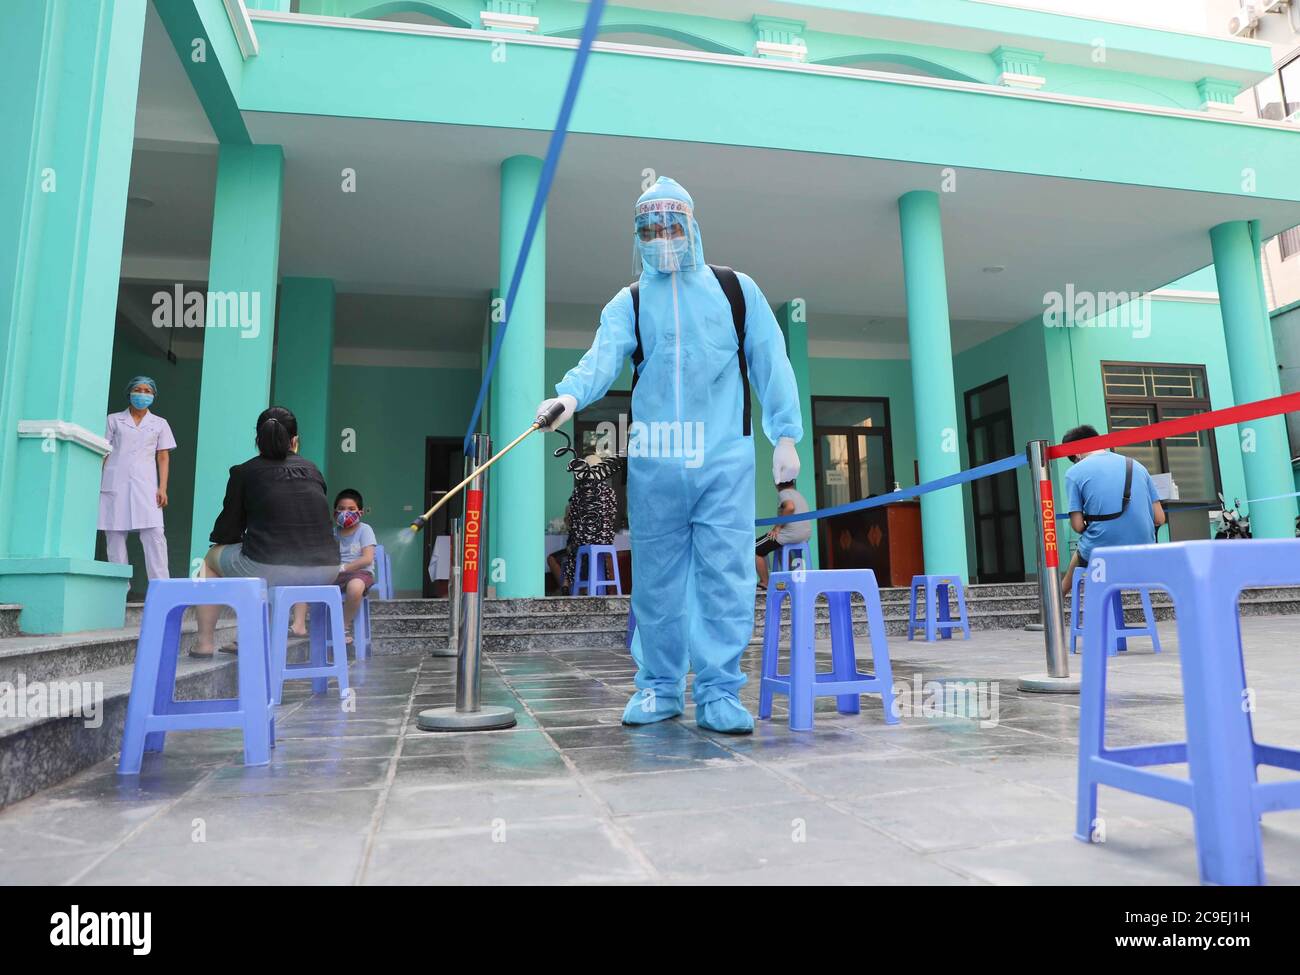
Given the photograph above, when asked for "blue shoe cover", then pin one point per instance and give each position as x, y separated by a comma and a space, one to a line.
647, 707
726, 714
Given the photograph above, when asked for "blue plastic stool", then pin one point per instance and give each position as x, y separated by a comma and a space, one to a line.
1118, 633
595, 582
152, 710
323, 635
844, 682
361, 629
1205, 580
938, 622
383, 567
787, 555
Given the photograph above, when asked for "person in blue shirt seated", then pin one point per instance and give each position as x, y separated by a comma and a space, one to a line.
356, 541
1102, 511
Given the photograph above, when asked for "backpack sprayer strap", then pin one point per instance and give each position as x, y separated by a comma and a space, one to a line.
730, 283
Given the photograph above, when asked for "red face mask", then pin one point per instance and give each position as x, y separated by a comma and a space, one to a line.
347, 519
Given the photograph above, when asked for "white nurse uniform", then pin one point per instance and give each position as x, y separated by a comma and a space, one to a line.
128, 492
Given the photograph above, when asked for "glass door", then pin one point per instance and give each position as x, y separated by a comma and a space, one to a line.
854, 461
995, 501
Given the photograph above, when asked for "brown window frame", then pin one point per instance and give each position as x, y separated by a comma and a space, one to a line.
1154, 403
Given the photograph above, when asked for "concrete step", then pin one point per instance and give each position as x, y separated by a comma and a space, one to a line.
380, 608
38, 751
523, 639
1253, 602
581, 616
66, 656
9, 613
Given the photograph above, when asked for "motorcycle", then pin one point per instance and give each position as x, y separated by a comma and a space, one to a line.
1235, 524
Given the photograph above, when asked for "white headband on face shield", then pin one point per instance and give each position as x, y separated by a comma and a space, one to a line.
664, 206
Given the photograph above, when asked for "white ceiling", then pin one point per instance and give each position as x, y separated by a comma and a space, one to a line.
422, 228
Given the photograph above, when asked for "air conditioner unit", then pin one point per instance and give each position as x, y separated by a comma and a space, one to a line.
1244, 21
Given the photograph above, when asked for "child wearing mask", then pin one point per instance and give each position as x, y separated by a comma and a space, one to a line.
356, 559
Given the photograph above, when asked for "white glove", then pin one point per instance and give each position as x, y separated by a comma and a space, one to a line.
570, 404
785, 461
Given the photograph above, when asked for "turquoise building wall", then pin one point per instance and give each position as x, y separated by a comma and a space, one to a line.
319, 69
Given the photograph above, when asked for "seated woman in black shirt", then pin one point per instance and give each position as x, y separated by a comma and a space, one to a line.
274, 523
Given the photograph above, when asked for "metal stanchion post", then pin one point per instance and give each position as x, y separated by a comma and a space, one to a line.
453, 591
1057, 679
469, 714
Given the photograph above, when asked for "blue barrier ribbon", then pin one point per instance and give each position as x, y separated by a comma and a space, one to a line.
961, 477
553, 151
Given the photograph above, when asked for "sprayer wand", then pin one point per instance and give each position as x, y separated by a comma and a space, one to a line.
542, 421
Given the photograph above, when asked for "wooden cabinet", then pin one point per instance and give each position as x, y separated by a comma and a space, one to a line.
886, 540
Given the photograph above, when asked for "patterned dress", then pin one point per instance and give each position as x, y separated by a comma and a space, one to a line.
592, 514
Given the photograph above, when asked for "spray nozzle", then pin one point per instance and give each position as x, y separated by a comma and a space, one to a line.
544, 420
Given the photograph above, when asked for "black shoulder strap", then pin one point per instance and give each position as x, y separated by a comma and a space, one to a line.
1128, 493
736, 298
637, 354
730, 283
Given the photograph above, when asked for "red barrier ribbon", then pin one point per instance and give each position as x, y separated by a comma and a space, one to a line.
1187, 424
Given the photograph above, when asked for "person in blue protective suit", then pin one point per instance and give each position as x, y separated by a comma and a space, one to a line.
690, 456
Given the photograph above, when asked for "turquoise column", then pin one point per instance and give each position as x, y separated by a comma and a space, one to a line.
1252, 363
793, 319
304, 359
69, 73
240, 324
943, 520
518, 523
485, 419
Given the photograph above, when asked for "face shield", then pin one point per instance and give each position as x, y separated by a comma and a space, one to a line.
666, 237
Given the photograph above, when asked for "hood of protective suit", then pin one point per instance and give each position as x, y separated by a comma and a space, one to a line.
667, 204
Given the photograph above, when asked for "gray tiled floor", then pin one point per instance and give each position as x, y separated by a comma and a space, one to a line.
570, 796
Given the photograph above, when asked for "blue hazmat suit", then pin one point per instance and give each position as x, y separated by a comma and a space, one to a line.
690, 467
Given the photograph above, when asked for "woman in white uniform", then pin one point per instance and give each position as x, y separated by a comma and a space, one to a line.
133, 491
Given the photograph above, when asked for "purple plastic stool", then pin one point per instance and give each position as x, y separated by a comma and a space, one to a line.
844, 682
325, 635
1117, 640
152, 709
938, 622
785, 557
594, 581
1222, 790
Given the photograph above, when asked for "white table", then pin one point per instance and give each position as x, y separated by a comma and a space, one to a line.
441, 558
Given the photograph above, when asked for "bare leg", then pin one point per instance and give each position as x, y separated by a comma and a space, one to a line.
760, 563
352, 602
299, 625
207, 615
557, 570
1068, 582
